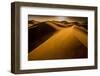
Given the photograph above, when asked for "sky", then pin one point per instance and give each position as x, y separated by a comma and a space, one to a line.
42, 18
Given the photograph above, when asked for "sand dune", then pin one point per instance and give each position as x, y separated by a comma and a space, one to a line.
40, 32
69, 42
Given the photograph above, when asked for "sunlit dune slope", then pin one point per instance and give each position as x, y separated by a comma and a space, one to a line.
70, 42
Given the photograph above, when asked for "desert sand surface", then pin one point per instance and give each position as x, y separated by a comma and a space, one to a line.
59, 41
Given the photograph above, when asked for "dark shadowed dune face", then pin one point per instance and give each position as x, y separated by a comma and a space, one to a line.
38, 33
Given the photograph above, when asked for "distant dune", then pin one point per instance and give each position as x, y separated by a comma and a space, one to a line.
32, 22
57, 40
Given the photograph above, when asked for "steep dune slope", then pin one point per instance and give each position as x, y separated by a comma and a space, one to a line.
40, 32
